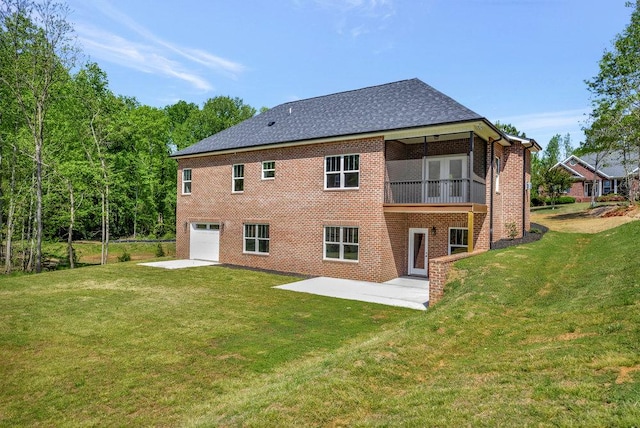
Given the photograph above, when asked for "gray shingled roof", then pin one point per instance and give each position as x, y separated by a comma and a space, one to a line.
612, 165
404, 104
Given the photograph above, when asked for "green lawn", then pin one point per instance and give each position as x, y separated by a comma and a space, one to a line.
545, 334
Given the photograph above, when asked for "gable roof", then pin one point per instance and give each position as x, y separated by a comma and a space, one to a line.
392, 106
611, 166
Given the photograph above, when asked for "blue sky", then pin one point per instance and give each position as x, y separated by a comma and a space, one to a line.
517, 61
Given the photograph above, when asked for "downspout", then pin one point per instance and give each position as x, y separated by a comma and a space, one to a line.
524, 186
492, 192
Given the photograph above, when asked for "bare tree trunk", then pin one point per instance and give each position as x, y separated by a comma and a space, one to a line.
135, 215
106, 228
38, 219
103, 231
594, 182
11, 213
27, 256
72, 218
1, 194
105, 223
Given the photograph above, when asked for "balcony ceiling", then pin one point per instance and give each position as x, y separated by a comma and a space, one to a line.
447, 132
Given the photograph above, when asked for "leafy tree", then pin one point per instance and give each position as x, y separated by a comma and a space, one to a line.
615, 119
567, 148
553, 180
35, 39
510, 129
217, 114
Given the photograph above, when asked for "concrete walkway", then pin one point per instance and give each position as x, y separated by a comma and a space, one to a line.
404, 292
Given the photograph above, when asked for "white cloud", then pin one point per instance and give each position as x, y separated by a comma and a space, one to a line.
543, 125
139, 56
546, 120
355, 17
152, 54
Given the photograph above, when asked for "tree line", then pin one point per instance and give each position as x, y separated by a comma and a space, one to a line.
76, 160
614, 123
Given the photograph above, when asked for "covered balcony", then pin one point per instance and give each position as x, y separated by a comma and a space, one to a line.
441, 172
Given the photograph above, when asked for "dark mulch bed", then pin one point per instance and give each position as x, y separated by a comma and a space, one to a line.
528, 237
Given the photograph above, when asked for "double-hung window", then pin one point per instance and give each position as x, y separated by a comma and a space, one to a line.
458, 240
268, 170
256, 238
238, 178
342, 172
341, 243
186, 181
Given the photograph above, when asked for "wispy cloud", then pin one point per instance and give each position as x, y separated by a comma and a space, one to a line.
543, 125
546, 120
150, 53
137, 56
358, 17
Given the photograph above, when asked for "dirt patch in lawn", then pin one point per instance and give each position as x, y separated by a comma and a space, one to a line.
592, 220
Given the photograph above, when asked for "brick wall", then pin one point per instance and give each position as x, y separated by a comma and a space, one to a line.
511, 193
294, 204
296, 207
439, 269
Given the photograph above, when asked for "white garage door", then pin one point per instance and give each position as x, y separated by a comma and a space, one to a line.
204, 241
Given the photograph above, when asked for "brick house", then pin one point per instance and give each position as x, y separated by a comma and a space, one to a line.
610, 174
369, 184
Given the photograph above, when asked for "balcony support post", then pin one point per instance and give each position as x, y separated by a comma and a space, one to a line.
470, 231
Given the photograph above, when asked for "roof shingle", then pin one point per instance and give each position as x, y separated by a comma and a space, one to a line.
398, 105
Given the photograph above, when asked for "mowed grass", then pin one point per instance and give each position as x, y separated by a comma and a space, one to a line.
544, 334
131, 345
90, 252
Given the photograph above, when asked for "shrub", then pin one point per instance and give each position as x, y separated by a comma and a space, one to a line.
612, 197
561, 200
159, 250
125, 257
512, 230
537, 201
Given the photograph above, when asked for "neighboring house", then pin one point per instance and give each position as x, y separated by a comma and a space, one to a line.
611, 175
368, 184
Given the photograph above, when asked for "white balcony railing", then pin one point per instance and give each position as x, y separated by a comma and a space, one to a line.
451, 191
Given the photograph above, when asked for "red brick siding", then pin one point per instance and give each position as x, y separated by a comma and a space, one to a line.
577, 191
509, 197
439, 273
296, 206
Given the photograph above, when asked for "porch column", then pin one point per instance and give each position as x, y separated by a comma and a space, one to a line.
615, 186
470, 232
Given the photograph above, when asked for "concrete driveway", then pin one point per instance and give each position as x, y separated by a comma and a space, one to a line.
404, 292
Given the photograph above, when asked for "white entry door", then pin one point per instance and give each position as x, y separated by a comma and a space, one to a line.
418, 254
204, 241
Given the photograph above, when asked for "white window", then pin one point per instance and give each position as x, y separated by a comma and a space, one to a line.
238, 178
256, 238
498, 174
268, 170
341, 243
458, 240
186, 181
342, 172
